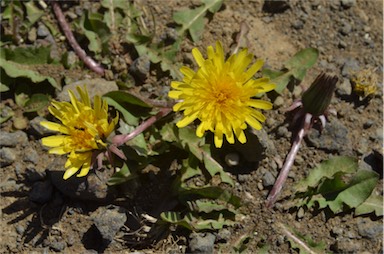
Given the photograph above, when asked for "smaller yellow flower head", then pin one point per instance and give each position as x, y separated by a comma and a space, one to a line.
220, 94
83, 129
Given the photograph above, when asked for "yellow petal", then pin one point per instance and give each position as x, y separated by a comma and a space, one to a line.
253, 122
58, 150
70, 172
53, 141
186, 120
218, 138
260, 104
198, 57
54, 126
253, 69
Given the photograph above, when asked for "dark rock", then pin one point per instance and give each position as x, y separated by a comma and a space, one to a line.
7, 156
41, 192
334, 137
109, 221
201, 243
11, 139
347, 3
91, 187
369, 229
140, 67
368, 124
275, 6
33, 176
58, 246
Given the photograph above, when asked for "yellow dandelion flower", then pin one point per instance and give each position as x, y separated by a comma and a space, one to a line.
365, 83
220, 94
83, 129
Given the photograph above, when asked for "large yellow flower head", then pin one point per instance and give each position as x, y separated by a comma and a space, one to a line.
220, 94
83, 129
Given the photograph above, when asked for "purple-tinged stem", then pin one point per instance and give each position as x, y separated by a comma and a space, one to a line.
271, 199
118, 140
72, 41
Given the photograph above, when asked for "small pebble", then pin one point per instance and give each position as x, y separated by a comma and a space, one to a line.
232, 159
20, 229
31, 155
58, 246
300, 213
347, 3
243, 178
298, 24
282, 131
297, 90
279, 101
345, 29
42, 31
7, 156
368, 124
268, 179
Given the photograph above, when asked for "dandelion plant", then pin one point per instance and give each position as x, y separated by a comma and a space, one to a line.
312, 107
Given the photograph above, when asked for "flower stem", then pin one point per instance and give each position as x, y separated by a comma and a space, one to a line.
118, 140
271, 199
72, 41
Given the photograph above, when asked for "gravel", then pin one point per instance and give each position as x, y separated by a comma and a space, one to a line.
12, 139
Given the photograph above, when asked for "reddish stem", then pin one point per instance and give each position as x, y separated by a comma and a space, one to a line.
72, 41
271, 199
118, 140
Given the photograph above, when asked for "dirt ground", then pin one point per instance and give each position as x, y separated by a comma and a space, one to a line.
349, 37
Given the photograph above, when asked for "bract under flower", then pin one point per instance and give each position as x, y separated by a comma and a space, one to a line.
220, 94
83, 129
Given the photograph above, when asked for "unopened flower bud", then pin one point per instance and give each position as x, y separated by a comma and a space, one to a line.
317, 97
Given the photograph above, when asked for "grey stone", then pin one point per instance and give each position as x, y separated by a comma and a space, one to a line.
243, 178
282, 131
298, 24
11, 139
42, 31
41, 192
58, 246
224, 235
109, 221
7, 156
30, 155
349, 67
334, 137
268, 179
369, 229
201, 243
345, 88
97, 86
345, 29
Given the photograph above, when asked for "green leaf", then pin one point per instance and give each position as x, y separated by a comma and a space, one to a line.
193, 20
303, 243
15, 70
301, 62
208, 207
33, 13
37, 102
125, 97
296, 67
372, 204
29, 55
196, 223
328, 169
337, 183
